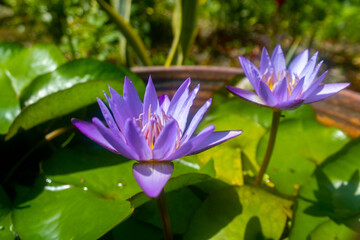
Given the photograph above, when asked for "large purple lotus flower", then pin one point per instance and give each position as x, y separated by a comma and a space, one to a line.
285, 88
154, 132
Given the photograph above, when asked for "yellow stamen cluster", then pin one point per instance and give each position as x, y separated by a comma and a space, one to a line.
153, 127
272, 80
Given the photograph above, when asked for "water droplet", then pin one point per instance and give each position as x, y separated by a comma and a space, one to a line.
2, 228
120, 185
85, 188
48, 180
57, 188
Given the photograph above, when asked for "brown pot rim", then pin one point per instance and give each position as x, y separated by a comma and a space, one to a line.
190, 68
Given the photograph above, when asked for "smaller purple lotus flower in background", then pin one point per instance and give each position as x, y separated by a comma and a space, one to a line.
284, 88
153, 133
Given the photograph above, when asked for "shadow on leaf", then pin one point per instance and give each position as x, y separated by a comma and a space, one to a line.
337, 200
216, 212
253, 229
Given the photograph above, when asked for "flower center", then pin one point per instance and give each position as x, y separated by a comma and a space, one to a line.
272, 79
153, 127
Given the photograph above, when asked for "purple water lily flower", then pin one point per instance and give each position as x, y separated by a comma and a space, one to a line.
285, 88
154, 132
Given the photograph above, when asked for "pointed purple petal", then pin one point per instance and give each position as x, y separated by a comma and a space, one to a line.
195, 121
265, 61
298, 90
186, 147
202, 135
246, 95
311, 89
249, 71
93, 133
308, 70
132, 99
266, 95
299, 62
166, 141
326, 90
311, 78
152, 176
278, 60
150, 99
116, 142
192, 143
109, 118
183, 114
291, 104
179, 97
136, 139
215, 139
164, 102
281, 90
118, 108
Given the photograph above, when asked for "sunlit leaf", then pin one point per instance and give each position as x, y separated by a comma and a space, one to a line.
330, 230
227, 156
9, 103
72, 86
300, 146
240, 213
72, 73
29, 63
330, 202
18, 67
301, 143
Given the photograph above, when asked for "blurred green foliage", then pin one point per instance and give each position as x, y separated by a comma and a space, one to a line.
226, 28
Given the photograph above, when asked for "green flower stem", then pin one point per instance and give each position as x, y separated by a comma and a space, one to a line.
165, 217
270, 147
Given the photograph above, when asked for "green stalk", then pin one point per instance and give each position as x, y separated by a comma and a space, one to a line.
165, 217
176, 25
129, 33
270, 146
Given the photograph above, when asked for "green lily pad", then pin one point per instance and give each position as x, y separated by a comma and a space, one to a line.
18, 67
330, 202
329, 230
70, 87
260, 115
254, 121
6, 227
100, 170
80, 187
29, 63
300, 146
72, 73
182, 204
227, 156
9, 103
240, 213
